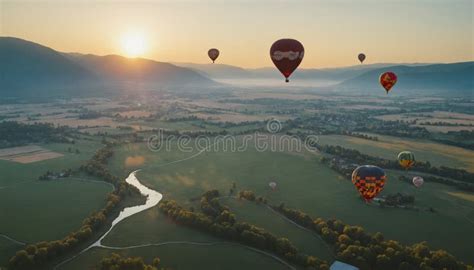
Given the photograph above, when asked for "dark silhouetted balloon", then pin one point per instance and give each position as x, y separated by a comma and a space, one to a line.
287, 54
213, 54
369, 181
388, 80
361, 57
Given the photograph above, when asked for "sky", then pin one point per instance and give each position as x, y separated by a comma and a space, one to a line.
333, 32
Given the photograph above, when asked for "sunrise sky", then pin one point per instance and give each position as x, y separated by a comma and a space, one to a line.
333, 31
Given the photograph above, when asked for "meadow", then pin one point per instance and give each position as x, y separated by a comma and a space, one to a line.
33, 210
303, 183
388, 147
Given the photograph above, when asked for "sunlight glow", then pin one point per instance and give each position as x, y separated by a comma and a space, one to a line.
134, 44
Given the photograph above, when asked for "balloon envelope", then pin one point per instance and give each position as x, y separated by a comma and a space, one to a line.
418, 181
369, 180
388, 80
406, 159
213, 54
287, 55
361, 57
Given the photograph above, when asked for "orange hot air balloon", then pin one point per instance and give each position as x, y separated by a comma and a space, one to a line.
388, 80
369, 181
213, 54
361, 57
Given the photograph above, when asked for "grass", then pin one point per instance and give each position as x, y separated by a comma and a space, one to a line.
463, 195
7, 250
13, 173
186, 257
40, 211
32, 210
388, 147
263, 217
152, 227
303, 183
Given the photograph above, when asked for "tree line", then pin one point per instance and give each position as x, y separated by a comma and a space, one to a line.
354, 246
219, 221
36, 256
16, 134
354, 156
117, 262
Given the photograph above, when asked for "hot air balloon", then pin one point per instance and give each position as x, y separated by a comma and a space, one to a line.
213, 54
406, 159
287, 54
361, 57
388, 80
369, 181
418, 181
272, 185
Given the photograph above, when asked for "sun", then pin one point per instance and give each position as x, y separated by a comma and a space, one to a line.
134, 44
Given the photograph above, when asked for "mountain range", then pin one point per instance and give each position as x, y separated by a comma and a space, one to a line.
32, 69
453, 78
29, 68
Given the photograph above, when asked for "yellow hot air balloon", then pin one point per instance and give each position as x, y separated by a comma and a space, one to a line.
406, 159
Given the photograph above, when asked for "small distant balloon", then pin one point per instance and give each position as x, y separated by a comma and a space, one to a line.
406, 159
213, 54
418, 181
361, 57
287, 55
388, 80
272, 185
369, 180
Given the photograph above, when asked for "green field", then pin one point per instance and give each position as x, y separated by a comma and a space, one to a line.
260, 215
303, 183
186, 257
388, 147
7, 250
14, 173
48, 210
32, 210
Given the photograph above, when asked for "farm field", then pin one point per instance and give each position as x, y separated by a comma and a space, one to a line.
8, 248
305, 184
264, 217
24, 199
450, 118
388, 147
27, 154
14, 173
68, 202
186, 257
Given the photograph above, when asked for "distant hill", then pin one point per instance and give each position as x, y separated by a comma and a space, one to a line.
118, 68
449, 79
29, 68
218, 71
27, 65
445, 79
222, 71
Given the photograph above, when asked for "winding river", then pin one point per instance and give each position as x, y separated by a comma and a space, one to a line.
152, 198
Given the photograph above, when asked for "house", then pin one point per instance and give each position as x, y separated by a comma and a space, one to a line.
337, 265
